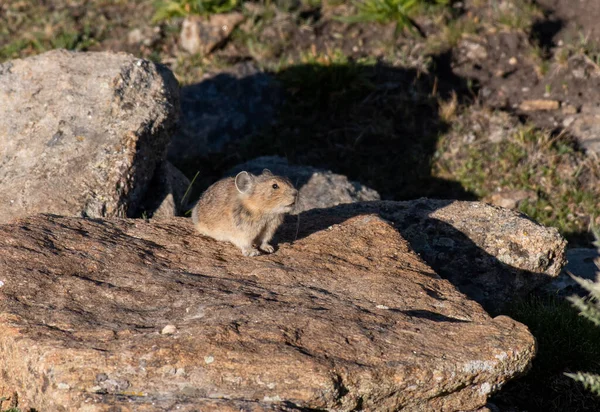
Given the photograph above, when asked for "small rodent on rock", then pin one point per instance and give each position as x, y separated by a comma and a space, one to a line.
245, 210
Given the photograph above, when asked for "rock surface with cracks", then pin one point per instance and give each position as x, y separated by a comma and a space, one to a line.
343, 318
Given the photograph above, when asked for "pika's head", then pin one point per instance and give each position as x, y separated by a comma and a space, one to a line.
266, 192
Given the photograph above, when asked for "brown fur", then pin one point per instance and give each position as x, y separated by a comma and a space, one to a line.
245, 210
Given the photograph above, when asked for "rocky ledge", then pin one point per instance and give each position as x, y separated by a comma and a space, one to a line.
104, 314
491, 254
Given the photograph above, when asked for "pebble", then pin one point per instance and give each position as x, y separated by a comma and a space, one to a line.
169, 330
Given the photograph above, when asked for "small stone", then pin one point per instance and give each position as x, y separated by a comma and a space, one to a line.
539, 105
510, 199
146, 36
586, 128
63, 386
101, 377
568, 109
472, 50
209, 359
169, 330
202, 35
115, 385
512, 61
135, 36
568, 121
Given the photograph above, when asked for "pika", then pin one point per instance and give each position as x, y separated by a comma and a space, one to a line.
245, 210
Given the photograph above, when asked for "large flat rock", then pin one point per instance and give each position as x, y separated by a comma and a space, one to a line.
344, 318
82, 133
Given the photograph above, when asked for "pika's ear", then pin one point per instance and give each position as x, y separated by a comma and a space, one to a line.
267, 172
244, 181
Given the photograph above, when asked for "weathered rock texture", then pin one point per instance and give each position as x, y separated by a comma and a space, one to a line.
344, 318
81, 133
491, 254
318, 188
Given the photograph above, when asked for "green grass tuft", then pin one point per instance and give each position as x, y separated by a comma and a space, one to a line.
400, 12
168, 9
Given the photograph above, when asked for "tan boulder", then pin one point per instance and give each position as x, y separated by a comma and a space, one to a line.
342, 318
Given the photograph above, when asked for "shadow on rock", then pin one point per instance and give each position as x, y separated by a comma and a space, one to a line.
492, 255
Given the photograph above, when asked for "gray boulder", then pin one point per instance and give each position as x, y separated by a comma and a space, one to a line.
318, 188
82, 133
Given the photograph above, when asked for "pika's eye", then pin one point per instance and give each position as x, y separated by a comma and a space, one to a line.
275, 186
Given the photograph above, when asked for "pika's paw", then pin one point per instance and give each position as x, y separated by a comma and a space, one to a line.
267, 248
250, 252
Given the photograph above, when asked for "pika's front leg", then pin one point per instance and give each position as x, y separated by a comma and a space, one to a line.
250, 251
247, 247
266, 247
267, 235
